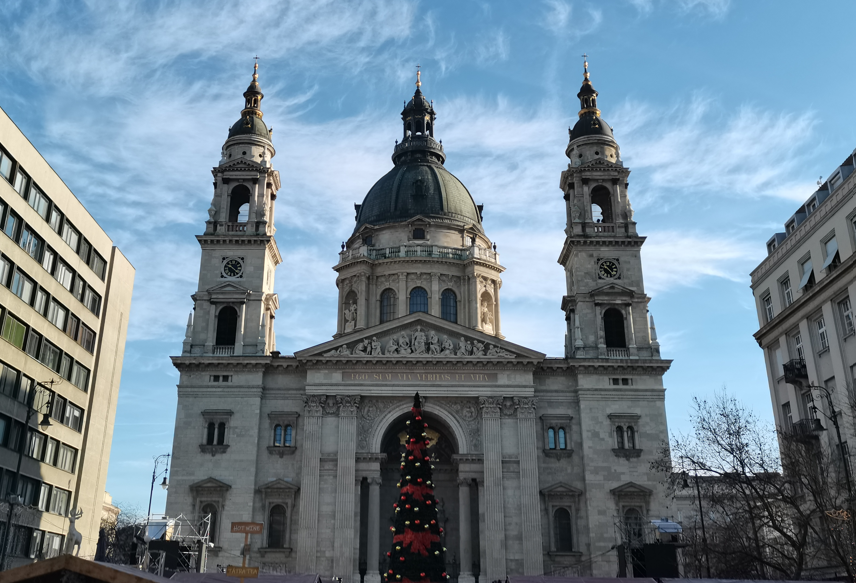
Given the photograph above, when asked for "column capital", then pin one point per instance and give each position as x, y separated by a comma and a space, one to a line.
375, 481
525, 406
348, 405
465, 482
314, 404
490, 406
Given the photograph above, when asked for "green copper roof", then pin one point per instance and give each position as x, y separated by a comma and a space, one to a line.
591, 124
249, 125
418, 187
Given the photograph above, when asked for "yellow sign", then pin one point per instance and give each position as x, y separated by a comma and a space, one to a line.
248, 527
242, 572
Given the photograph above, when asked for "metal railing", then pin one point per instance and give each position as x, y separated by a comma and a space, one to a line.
807, 427
795, 371
224, 350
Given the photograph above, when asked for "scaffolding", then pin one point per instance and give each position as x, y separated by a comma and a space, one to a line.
182, 546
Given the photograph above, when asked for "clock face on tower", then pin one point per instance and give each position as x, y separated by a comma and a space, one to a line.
233, 267
607, 269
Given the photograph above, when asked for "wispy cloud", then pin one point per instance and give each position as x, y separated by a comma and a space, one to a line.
716, 9
492, 46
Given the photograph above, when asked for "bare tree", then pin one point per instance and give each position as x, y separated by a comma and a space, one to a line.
762, 523
118, 534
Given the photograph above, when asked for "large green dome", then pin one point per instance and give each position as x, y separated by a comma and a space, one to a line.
420, 187
249, 125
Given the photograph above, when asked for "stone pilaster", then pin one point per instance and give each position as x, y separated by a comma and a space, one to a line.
533, 558
464, 518
493, 500
373, 539
343, 544
307, 536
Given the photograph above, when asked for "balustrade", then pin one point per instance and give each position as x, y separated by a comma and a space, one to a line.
224, 350
617, 353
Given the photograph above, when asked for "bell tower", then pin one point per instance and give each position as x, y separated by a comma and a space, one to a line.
605, 306
235, 305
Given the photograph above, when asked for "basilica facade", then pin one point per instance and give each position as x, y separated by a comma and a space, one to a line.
541, 463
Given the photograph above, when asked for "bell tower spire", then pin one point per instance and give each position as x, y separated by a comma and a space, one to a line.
587, 94
253, 95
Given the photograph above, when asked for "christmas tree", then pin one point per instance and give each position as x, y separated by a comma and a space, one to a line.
417, 556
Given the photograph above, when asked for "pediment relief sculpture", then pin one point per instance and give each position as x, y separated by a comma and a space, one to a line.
420, 342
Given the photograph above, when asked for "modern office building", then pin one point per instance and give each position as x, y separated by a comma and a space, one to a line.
804, 291
542, 464
65, 295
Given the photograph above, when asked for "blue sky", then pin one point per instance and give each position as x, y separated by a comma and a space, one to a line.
726, 112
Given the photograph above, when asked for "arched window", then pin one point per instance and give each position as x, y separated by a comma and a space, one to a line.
209, 509
601, 205
633, 526
419, 233
239, 204
562, 530
619, 437
613, 328
276, 527
209, 434
418, 300
388, 306
407, 130
277, 435
288, 435
449, 306
551, 438
562, 444
221, 433
428, 128
631, 438
227, 326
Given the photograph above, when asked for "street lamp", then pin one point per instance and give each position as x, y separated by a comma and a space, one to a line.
45, 409
164, 483
685, 485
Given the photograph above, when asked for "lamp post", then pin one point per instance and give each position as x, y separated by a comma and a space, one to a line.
155, 475
22, 445
686, 484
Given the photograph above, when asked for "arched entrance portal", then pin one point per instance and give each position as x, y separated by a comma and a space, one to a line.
447, 489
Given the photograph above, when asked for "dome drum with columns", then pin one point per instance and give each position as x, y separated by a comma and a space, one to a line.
541, 464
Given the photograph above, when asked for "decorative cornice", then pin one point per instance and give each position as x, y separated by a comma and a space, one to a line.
490, 406
627, 453
641, 366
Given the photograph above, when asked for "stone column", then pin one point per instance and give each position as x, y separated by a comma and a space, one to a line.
530, 507
475, 303
372, 302
464, 518
358, 482
631, 330
212, 329
373, 539
340, 317
402, 294
435, 295
363, 303
343, 543
239, 333
601, 337
494, 511
496, 319
307, 536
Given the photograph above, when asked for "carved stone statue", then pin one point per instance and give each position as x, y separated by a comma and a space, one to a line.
341, 351
462, 347
403, 344
434, 343
486, 318
392, 347
448, 348
212, 210
492, 350
419, 348
478, 348
577, 213
74, 537
350, 317
375, 347
362, 347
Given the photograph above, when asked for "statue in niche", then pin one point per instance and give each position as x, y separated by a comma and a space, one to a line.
478, 348
350, 317
419, 342
403, 344
448, 348
577, 213
434, 343
361, 348
487, 318
212, 210
392, 347
375, 347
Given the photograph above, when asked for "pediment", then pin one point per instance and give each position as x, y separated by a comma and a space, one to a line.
601, 163
561, 489
278, 485
242, 164
420, 336
631, 488
228, 287
209, 484
613, 288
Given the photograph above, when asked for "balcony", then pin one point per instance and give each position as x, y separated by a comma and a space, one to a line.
617, 353
807, 428
236, 227
224, 350
603, 228
427, 251
795, 371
